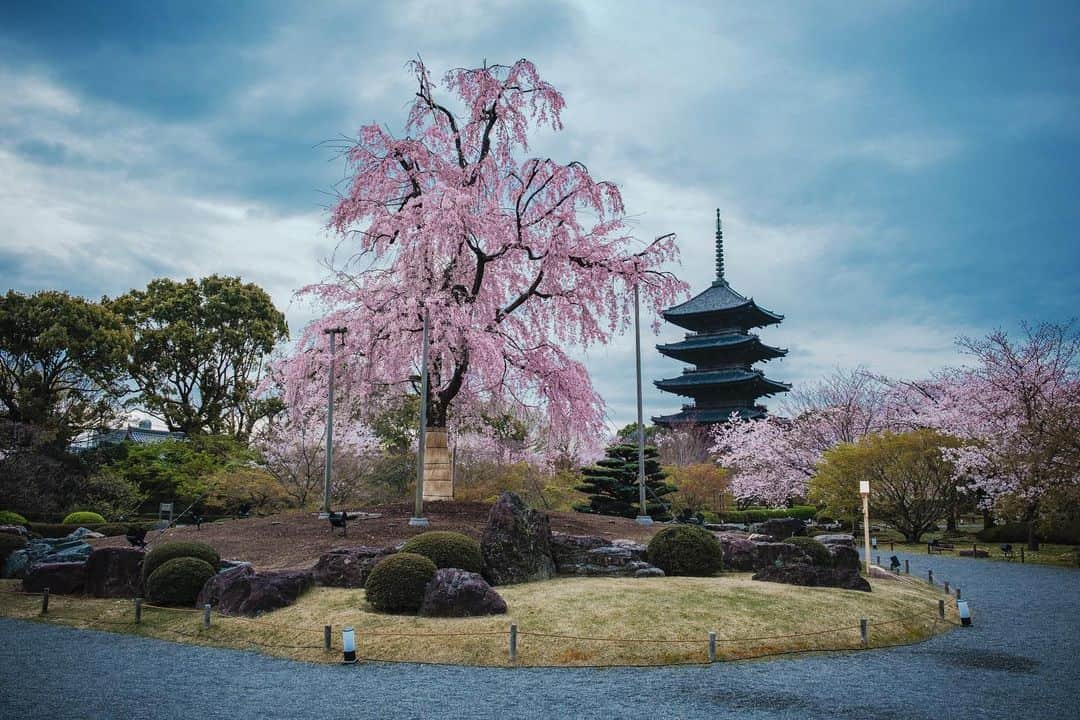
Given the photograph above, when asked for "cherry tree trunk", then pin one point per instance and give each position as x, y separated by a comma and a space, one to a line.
438, 475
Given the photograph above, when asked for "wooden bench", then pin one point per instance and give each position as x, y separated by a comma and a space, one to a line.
938, 546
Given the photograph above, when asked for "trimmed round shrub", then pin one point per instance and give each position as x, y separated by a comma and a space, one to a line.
686, 550
11, 518
9, 544
397, 583
817, 551
178, 581
161, 554
83, 517
447, 550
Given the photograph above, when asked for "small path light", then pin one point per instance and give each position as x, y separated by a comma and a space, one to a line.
348, 642
965, 613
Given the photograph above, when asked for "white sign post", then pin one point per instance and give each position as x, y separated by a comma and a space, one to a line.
864, 491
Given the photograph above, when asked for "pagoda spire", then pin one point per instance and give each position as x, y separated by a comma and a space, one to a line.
719, 249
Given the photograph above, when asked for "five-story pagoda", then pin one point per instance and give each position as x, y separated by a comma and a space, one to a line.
723, 351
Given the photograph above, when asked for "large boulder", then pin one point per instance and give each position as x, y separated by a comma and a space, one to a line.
813, 576
459, 593
782, 528
516, 543
60, 578
45, 550
242, 591
588, 555
744, 555
349, 567
16, 564
844, 556
836, 539
114, 572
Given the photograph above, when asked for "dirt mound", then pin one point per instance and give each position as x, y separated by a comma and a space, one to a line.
296, 539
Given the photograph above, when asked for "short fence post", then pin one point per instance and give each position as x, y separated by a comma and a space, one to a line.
326, 637
712, 646
946, 587
927, 548
941, 609
974, 550
1021, 553
891, 546
930, 576
513, 643
45, 601
958, 593
878, 560
206, 615
907, 567
864, 631
138, 610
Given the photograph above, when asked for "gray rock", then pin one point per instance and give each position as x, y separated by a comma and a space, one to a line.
844, 556
459, 593
760, 537
782, 528
226, 565
83, 533
67, 578
516, 543
14, 530
812, 576
114, 572
349, 567
744, 555
588, 555
836, 539
242, 591
16, 564
648, 572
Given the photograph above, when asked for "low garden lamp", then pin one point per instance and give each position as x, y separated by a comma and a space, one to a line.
348, 643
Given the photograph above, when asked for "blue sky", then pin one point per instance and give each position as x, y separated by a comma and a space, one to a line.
891, 176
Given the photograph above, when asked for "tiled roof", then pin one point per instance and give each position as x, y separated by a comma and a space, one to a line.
720, 341
716, 298
702, 416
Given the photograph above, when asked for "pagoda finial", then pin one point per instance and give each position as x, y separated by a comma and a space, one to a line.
719, 248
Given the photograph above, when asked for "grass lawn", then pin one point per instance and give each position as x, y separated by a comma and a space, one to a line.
1047, 554
643, 614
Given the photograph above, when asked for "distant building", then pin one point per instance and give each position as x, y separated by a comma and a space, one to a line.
722, 350
142, 433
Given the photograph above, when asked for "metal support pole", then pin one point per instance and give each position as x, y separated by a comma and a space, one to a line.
329, 464
513, 643
418, 519
327, 629
643, 517
45, 601
712, 646
206, 615
864, 631
138, 610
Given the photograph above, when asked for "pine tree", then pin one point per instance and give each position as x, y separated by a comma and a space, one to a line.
612, 484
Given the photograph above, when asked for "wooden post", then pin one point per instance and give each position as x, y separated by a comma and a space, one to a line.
941, 609
712, 646
907, 567
206, 615
864, 631
326, 637
946, 587
45, 601
930, 576
1021, 553
138, 610
957, 593
891, 546
513, 643
927, 548
878, 560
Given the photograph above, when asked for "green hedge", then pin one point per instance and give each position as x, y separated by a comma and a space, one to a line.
447, 550
686, 550
817, 551
178, 581
161, 554
83, 517
397, 583
53, 530
9, 544
11, 518
756, 515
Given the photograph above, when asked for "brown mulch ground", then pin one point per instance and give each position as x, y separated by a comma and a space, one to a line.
297, 539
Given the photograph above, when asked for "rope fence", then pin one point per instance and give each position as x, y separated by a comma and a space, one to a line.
217, 627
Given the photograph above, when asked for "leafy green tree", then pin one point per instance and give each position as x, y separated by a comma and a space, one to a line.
199, 350
61, 363
612, 484
911, 483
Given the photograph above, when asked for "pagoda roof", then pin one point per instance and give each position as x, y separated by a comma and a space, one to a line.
718, 301
694, 344
693, 382
701, 416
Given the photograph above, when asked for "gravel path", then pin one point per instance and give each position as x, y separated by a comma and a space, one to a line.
1018, 660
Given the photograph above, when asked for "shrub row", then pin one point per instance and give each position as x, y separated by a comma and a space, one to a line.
11, 518
59, 530
755, 515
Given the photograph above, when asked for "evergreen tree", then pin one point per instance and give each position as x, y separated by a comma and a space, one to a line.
612, 484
